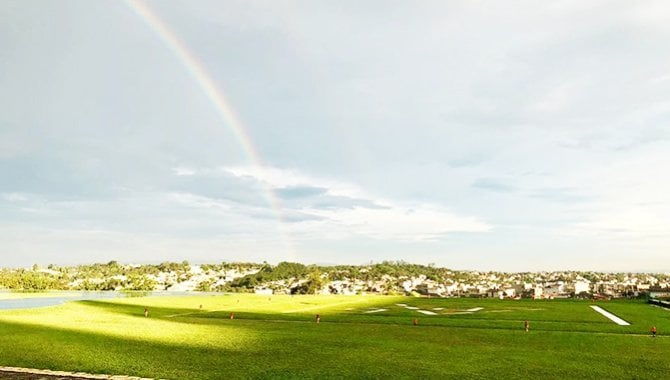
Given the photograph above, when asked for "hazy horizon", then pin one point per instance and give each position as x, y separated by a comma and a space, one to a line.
486, 135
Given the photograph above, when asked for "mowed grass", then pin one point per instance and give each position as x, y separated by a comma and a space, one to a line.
277, 337
12, 295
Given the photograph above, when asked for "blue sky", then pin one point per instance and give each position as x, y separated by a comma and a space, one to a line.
473, 135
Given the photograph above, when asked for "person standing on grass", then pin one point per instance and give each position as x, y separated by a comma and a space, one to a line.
526, 325
318, 318
653, 331
146, 312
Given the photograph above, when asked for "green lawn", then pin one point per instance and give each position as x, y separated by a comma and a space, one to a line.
11, 295
276, 337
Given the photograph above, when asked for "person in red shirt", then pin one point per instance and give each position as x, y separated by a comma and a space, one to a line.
653, 331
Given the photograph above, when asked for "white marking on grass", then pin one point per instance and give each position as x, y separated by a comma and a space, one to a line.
411, 308
401, 305
427, 312
611, 316
375, 311
324, 306
475, 309
438, 308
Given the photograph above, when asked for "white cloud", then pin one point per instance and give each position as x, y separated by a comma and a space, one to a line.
14, 197
555, 100
193, 200
426, 222
277, 178
183, 171
660, 79
393, 220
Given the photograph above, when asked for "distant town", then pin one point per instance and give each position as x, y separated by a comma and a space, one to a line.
387, 277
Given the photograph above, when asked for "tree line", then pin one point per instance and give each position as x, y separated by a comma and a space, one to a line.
304, 279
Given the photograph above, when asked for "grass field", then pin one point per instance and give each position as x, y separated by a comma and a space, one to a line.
358, 337
7, 295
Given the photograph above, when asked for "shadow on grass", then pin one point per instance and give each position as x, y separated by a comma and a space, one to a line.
138, 310
27, 345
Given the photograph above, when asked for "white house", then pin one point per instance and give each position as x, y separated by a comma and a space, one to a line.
582, 286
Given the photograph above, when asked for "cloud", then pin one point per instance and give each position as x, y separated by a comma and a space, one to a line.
183, 171
491, 184
560, 194
198, 201
14, 197
220, 185
341, 202
403, 123
294, 192
631, 225
421, 223
467, 161
327, 209
555, 100
277, 178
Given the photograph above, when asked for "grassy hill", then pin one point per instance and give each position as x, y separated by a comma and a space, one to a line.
358, 337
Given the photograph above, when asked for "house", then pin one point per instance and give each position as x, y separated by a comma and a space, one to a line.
659, 292
582, 286
263, 291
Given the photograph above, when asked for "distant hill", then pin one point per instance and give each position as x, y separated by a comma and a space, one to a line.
388, 277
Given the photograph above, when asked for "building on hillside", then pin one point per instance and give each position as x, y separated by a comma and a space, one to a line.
659, 292
428, 290
554, 290
537, 292
582, 286
263, 291
509, 291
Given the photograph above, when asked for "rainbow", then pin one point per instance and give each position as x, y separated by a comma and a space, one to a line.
218, 99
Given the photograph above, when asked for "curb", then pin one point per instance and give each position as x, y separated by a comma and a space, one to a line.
66, 374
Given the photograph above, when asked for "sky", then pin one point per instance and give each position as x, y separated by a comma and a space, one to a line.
480, 135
